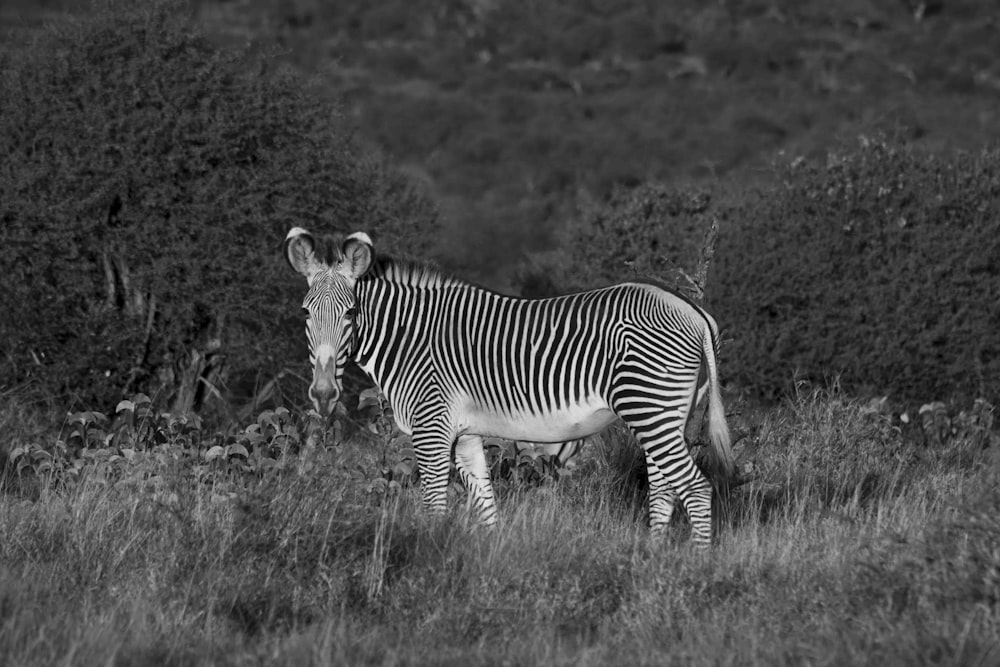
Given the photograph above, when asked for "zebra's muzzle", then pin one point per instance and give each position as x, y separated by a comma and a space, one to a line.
324, 390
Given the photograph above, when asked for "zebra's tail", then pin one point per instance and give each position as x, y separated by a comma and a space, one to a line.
718, 430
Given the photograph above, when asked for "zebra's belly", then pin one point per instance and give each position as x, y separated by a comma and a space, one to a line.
566, 423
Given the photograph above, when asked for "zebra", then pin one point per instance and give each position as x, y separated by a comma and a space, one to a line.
458, 363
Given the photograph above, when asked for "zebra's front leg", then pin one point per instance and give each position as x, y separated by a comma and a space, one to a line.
432, 446
471, 463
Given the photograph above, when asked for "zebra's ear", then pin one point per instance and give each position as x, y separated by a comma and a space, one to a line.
300, 251
359, 254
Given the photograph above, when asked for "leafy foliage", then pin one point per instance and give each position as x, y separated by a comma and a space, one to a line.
878, 266
515, 111
397, 461
515, 464
148, 180
648, 232
134, 447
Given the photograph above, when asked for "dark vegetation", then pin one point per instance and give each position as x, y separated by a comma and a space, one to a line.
531, 121
879, 267
149, 179
153, 165
649, 231
519, 113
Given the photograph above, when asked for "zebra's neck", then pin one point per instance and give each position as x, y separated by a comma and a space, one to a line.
400, 307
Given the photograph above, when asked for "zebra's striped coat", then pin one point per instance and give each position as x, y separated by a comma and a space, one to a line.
459, 363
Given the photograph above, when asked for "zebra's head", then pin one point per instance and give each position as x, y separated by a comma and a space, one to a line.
332, 270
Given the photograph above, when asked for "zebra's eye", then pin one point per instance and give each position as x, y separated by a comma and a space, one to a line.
350, 313
305, 312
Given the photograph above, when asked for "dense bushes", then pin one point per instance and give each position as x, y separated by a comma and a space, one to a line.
880, 267
149, 177
515, 110
649, 232
148, 180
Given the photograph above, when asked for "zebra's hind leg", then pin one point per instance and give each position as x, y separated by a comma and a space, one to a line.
660, 431
682, 479
471, 463
695, 493
662, 499
677, 476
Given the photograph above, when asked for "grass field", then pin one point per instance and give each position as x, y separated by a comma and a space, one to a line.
854, 543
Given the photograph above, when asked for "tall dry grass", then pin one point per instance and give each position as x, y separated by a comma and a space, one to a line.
852, 545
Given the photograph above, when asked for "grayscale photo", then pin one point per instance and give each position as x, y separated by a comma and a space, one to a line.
499, 332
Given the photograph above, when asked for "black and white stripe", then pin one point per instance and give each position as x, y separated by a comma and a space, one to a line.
458, 363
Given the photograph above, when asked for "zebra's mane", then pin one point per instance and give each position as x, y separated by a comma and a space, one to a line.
417, 274
412, 274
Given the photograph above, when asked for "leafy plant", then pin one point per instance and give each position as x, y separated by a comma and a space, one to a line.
872, 268
148, 178
651, 231
140, 443
520, 464
875, 267
397, 462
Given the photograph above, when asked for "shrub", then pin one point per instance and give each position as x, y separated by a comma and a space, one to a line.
128, 448
647, 232
879, 266
149, 178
